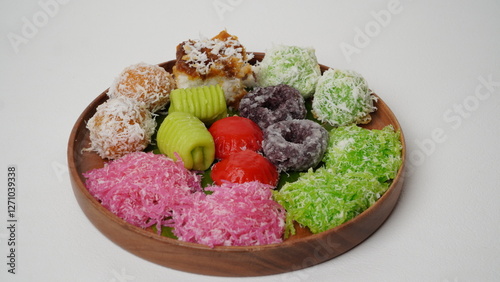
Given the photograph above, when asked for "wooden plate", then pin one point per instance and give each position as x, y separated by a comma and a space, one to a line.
300, 251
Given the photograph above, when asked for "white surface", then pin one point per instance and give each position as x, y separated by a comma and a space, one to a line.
426, 63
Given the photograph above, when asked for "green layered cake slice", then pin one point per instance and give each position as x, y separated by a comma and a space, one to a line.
183, 135
207, 103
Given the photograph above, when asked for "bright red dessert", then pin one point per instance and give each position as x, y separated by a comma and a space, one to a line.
234, 134
245, 166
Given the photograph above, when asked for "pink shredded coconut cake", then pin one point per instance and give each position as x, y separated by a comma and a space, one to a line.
143, 188
233, 215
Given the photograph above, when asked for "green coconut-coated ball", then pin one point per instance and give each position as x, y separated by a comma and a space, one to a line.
355, 149
291, 65
342, 97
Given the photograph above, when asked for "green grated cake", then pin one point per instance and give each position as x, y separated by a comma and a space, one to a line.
355, 149
357, 168
322, 199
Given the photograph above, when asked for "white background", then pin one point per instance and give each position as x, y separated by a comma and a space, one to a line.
428, 60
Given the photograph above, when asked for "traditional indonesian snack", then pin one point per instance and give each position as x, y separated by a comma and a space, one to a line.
142, 188
150, 84
233, 215
342, 98
234, 134
355, 149
221, 60
205, 102
323, 199
183, 134
245, 166
120, 126
291, 65
265, 157
268, 105
295, 145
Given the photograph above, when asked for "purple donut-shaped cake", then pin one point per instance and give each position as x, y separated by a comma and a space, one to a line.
295, 145
268, 105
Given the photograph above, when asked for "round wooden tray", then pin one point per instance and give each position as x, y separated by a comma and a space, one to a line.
299, 251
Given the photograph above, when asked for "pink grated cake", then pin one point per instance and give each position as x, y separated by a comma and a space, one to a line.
233, 215
143, 188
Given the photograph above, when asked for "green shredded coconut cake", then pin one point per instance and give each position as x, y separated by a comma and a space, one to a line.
323, 199
355, 149
358, 165
291, 65
342, 97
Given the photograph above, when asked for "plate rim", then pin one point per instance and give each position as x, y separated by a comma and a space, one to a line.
78, 184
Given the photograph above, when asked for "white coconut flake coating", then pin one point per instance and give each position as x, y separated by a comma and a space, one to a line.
291, 65
149, 84
342, 97
268, 105
120, 126
295, 145
230, 86
220, 60
209, 55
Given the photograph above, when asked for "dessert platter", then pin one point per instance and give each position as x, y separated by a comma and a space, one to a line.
233, 163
